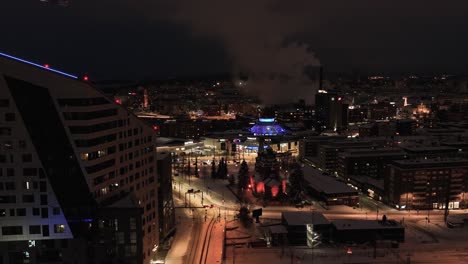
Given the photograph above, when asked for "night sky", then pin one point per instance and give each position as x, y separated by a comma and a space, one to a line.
134, 39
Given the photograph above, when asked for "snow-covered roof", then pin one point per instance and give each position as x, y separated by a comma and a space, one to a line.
325, 184
353, 224
304, 218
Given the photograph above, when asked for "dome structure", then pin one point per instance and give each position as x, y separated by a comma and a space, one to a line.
267, 127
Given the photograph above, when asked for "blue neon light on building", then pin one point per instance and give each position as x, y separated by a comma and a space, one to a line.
267, 127
37, 65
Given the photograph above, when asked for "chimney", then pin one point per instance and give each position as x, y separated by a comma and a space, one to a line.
321, 78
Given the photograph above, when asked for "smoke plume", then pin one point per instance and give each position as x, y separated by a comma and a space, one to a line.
256, 35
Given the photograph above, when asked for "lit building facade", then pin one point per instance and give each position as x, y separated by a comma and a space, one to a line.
427, 184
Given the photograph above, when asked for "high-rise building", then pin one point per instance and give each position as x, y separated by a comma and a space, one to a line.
78, 178
329, 111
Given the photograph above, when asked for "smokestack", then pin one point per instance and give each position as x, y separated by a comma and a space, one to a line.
321, 78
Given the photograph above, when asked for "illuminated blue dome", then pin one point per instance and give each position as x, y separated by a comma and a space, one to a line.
267, 127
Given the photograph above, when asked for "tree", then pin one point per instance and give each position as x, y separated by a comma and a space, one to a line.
225, 169
244, 216
196, 168
221, 171
296, 181
213, 170
232, 180
189, 169
243, 176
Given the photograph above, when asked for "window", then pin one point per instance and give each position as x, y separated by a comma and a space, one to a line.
36, 211
4, 103
5, 131
2, 212
43, 199
4, 199
45, 230
21, 211
27, 185
60, 228
9, 117
29, 171
3, 159
10, 172
26, 157
34, 229
56, 211
12, 230
10, 186
120, 238
28, 198
22, 144
45, 212
42, 186
133, 237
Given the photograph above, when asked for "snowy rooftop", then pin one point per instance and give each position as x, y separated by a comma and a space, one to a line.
353, 224
378, 152
431, 163
278, 229
325, 184
304, 218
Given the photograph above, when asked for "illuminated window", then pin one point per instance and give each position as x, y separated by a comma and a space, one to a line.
60, 228
84, 156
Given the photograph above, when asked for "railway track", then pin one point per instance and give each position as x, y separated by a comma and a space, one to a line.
201, 240
191, 257
206, 242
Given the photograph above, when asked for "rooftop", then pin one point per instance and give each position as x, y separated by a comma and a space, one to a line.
428, 148
304, 218
352, 224
267, 127
429, 163
378, 152
325, 184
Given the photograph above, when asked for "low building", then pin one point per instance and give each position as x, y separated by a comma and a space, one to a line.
329, 189
304, 227
360, 231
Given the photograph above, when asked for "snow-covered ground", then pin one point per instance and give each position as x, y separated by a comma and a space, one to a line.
426, 242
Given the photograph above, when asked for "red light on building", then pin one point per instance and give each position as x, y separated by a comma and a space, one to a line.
155, 128
349, 251
118, 101
339, 98
274, 191
46, 66
260, 187
85, 78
